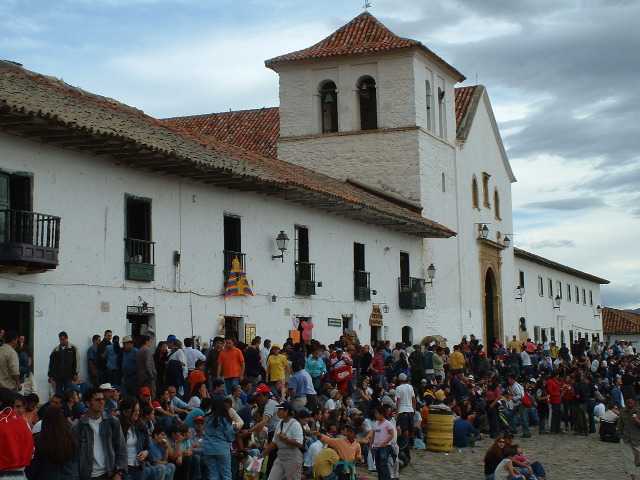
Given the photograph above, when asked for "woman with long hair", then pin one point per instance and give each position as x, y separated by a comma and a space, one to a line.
219, 434
160, 359
54, 448
137, 441
494, 456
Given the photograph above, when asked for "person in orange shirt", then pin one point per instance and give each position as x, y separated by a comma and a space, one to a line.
230, 365
196, 376
346, 446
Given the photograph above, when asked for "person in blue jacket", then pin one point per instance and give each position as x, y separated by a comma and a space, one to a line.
219, 434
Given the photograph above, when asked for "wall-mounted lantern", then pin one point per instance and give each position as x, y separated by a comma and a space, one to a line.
598, 312
519, 293
556, 302
431, 274
282, 240
506, 241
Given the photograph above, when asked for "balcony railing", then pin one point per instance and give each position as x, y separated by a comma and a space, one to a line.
412, 293
305, 278
29, 240
361, 286
229, 255
139, 259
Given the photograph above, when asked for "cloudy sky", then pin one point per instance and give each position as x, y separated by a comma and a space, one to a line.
562, 76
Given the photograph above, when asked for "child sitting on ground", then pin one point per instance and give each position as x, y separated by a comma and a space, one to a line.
531, 470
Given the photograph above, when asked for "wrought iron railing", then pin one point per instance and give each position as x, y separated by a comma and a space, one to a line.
361, 285
139, 251
31, 228
305, 281
412, 293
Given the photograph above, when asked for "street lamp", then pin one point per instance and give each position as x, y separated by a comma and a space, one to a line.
519, 293
556, 302
431, 274
282, 240
598, 311
506, 242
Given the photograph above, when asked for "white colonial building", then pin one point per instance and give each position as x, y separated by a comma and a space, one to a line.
376, 168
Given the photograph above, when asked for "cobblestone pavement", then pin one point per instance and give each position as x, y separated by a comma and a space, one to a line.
564, 457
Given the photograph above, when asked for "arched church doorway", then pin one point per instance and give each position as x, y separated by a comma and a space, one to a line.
491, 325
407, 335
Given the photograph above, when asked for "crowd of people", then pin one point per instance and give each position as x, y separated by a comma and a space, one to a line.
176, 410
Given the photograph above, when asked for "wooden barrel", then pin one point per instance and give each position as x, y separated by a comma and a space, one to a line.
440, 433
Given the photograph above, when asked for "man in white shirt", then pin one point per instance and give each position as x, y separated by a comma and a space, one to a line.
517, 392
406, 404
192, 354
264, 352
289, 438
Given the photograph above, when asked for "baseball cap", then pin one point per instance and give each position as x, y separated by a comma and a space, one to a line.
264, 389
402, 377
172, 338
285, 406
127, 339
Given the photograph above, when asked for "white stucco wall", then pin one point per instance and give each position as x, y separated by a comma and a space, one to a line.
387, 160
538, 310
480, 153
88, 193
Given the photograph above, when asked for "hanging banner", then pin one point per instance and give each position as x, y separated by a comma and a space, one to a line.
237, 285
375, 319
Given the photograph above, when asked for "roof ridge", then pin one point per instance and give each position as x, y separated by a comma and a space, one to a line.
227, 112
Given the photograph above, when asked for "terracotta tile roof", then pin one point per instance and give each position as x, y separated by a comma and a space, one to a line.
463, 100
532, 257
49, 110
363, 35
621, 322
255, 130
258, 130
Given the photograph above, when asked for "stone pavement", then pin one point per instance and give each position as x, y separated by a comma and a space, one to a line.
564, 457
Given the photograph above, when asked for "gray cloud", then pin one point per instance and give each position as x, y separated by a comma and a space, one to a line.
579, 55
551, 244
572, 204
621, 296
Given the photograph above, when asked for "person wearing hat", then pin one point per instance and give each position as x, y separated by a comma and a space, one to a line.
129, 367
288, 440
269, 406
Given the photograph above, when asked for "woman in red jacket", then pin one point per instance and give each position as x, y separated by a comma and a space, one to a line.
554, 391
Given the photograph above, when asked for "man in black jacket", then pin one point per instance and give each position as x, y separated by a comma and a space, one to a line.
102, 451
63, 364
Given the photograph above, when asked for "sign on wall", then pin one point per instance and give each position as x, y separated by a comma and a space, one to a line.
334, 322
375, 319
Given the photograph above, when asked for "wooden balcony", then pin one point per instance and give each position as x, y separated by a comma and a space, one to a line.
29, 241
361, 286
412, 293
139, 259
305, 281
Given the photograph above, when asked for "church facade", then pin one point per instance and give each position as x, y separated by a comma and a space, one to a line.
376, 199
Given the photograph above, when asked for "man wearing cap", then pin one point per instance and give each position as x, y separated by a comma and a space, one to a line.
269, 407
145, 366
63, 364
289, 440
129, 367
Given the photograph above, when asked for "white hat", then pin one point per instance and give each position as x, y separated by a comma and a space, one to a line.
106, 386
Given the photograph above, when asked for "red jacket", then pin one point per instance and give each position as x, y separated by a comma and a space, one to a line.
16, 441
554, 391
